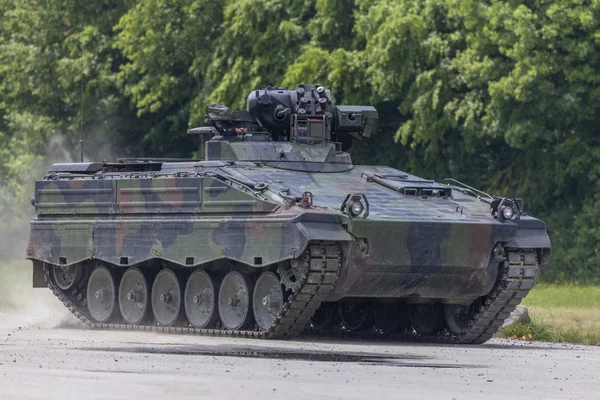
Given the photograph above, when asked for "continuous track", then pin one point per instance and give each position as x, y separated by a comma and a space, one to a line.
517, 276
323, 260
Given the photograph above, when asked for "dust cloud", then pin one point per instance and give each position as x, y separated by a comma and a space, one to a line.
20, 304
25, 307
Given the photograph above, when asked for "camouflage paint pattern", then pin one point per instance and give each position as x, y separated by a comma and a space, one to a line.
243, 204
321, 157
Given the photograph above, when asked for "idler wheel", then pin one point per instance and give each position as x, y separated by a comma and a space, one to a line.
101, 295
267, 300
390, 316
166, 297
355, 314
133, 296
426, 319
200, 300
67, 277
325, 316
235, 295
459, 317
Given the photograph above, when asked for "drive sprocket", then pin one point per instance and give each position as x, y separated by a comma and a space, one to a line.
293, 273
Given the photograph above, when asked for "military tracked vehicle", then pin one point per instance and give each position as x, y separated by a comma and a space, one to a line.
275, 232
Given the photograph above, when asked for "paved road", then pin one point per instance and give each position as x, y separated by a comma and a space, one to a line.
41, 358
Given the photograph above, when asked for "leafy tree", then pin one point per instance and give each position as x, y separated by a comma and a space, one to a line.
501, 94
57, 79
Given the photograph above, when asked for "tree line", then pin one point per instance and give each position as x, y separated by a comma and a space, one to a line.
503, 95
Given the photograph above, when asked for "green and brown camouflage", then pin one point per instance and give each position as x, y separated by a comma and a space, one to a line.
275, 180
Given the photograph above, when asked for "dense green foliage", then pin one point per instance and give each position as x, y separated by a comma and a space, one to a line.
501, 94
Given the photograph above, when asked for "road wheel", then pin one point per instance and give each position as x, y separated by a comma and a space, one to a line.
267, 300
67, 277
458, 317
101, 296
235, 295
200, 300
133, 296
166, 297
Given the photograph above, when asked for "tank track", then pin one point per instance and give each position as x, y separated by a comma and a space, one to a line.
323, 262
516, 278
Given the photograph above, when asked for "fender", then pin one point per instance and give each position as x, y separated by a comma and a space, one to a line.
532, 239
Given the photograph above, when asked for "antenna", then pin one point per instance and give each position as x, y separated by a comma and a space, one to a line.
202, 138
81, 108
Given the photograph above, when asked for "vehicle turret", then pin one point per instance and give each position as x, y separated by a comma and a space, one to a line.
305, 115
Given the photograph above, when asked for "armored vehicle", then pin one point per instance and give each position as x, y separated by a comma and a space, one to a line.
275, 232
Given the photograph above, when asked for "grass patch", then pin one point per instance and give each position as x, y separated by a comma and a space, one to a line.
542, 331
568, 296
561, 313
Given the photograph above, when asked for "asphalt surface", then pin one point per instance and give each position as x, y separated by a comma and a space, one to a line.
45, 354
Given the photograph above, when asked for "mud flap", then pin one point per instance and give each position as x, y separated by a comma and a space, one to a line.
38, 277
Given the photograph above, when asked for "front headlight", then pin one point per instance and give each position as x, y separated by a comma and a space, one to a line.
508, 212
504, 209
355, 205
356, 208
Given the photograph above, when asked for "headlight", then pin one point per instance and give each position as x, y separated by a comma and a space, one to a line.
504, 209
508, 212
356, 208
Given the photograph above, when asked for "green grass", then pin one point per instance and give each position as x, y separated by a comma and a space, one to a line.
570, 296
541, 331
561, 313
